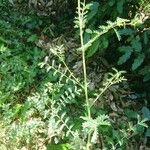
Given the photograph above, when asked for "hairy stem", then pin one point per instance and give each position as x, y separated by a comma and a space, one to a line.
83, 60
80, 13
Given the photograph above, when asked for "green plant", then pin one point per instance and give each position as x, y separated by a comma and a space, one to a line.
46, 105
134, 34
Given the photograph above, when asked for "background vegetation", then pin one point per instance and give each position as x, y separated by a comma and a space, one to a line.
74, 75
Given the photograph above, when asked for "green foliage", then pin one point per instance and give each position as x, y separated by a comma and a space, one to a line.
44, 104
134, 41
137, 50
58, 147
18, 69
128, 51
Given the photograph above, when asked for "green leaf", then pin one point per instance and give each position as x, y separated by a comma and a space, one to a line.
93, 8
128, 51
131, 114
88, 31
92, 49
87, 37
92, 124
146, 112
57, 147
126, 31
123, 49
146, 77
139, 129
3, 40
32, 38
104, 43
136, 44
138, 61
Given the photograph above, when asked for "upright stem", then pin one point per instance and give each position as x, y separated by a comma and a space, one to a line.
83, 59
88, 145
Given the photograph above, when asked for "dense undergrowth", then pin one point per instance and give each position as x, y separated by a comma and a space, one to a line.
59, 89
